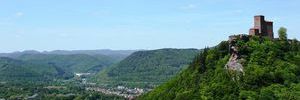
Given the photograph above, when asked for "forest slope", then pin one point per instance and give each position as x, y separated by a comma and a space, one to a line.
149, 66
271, 71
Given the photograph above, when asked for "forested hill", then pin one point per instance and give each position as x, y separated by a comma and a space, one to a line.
271, 70
16, 70
73, 63
30, 66
153, 66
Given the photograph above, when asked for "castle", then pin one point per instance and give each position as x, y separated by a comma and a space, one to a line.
262, 27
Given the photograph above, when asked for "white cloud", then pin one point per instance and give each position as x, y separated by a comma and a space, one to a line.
189, 6
19, 14
100, 13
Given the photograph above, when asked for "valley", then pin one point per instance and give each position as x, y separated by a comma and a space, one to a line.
75, 75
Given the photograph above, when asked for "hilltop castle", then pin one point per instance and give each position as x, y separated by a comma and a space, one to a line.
262, 27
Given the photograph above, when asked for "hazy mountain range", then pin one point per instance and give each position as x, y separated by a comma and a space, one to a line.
107, 52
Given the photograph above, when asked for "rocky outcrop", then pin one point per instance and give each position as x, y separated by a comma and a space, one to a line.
234, 64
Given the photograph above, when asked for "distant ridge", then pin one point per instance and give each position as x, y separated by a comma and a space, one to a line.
106, 52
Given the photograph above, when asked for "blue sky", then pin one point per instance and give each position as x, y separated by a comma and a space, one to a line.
134, 24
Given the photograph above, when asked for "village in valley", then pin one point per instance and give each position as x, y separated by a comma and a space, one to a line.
121, 91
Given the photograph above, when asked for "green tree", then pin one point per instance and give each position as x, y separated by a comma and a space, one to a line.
282, 33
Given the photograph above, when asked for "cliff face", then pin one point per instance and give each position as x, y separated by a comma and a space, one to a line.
235, 61
234, 64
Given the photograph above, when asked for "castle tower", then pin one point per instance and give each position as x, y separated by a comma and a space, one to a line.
259, 23
262, 27
269, 28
